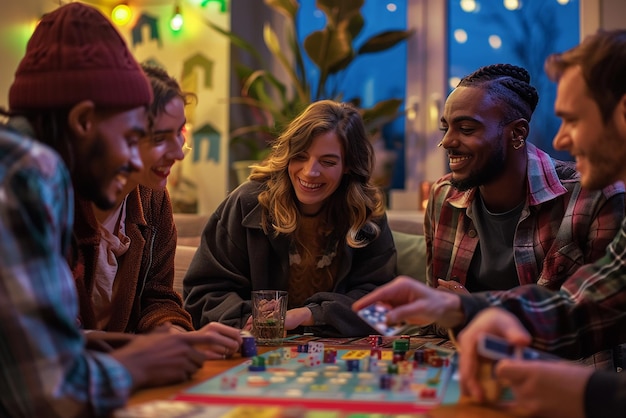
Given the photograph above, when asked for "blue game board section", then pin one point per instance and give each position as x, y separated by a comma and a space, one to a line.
294, 379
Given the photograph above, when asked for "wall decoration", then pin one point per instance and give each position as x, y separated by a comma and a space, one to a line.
152, 23
207, 133
204, 63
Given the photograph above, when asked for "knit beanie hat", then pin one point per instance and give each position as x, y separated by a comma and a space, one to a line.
76, 54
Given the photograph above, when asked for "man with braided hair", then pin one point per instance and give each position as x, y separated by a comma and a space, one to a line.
588, 312
508, 214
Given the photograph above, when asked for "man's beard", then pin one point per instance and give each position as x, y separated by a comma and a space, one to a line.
488, 173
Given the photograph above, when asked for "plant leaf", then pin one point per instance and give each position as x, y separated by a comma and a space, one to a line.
271, 40
384, 40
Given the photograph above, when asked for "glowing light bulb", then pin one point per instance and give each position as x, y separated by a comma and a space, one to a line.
121, 14
176, 23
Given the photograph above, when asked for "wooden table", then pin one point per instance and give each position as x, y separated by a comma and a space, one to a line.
214, 367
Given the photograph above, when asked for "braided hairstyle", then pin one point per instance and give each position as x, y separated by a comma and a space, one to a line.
509, 84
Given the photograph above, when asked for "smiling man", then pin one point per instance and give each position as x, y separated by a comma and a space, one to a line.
508, 214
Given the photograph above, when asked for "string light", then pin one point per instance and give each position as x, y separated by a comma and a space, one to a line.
215, 4
176, 23
121, 14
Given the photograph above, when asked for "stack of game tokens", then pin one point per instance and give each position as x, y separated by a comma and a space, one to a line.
248, 345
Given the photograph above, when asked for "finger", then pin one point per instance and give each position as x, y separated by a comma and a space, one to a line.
411, 312
376, 295
468, 370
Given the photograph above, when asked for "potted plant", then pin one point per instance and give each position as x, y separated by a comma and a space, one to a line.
274, 102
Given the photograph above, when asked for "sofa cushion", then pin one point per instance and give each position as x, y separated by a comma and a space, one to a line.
411, 251
182, 259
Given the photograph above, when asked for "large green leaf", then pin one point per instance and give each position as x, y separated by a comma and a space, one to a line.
381, 113
339, 10
271, 40
384, 40
328, 47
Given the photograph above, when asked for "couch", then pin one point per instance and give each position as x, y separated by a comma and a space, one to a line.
406, 228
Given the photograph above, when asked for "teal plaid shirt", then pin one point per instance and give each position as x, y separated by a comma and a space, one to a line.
44, 367
561, 228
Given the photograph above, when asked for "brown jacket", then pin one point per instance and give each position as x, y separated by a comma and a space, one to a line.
144, 297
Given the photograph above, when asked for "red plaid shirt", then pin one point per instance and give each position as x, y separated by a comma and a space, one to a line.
561, 228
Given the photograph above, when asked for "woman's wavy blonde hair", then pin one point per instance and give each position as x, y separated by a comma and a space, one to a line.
356, 201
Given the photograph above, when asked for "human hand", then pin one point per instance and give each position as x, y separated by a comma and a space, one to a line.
495, 321
452, 286
298, 316
162, 358
544, 388
248, 325
413, 302
224, 340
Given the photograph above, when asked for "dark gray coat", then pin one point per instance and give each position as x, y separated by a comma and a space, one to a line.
235, 257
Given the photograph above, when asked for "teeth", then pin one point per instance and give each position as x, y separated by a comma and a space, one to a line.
458, 159
310, 185
122, 179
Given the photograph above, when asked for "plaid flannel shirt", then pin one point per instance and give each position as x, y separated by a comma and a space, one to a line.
44, 367
561, 228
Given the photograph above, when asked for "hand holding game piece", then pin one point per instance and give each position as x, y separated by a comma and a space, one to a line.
414, 302
223, 341
376, 316
493, 321
533, 384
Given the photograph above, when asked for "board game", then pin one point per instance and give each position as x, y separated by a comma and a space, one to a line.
354, 381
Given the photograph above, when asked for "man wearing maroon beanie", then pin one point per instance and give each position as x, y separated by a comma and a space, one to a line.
78, 94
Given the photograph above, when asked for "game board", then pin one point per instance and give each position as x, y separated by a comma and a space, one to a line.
326, 386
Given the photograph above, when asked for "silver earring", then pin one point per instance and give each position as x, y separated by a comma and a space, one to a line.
520, 145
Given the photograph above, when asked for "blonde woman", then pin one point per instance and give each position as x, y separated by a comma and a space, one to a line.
308, 221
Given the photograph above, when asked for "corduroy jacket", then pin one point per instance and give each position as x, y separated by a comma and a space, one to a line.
144, 296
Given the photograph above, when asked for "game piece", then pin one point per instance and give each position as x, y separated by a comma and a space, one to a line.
495, 348
376, 351
376, 316
418, 357
435, 361
397, 356
385, 381
229, 382
313, 359
428, 393
273, 359
257, 364
353, 365
330, 355
487, 380
248, 346
401, 345
316, 347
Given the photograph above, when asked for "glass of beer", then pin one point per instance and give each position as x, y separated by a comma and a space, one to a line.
269, 308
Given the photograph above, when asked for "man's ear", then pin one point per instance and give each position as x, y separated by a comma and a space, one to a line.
619, 115
81, 118
520, 128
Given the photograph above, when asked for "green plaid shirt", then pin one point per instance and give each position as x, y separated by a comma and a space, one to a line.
45, 370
